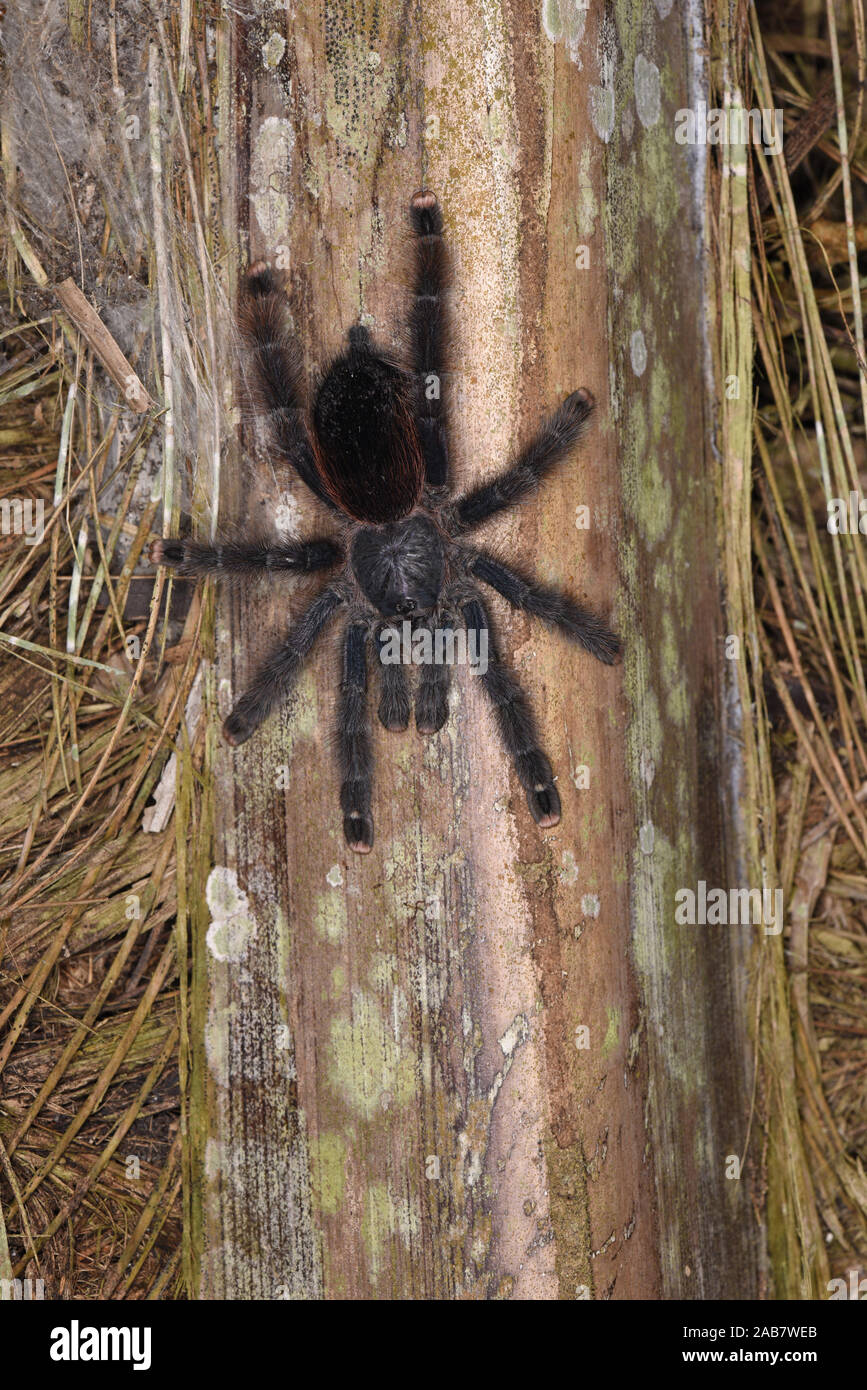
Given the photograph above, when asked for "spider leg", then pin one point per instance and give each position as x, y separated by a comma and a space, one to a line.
393, 686
551, 605
549, 446
427, 327
244, 557
353, 734
516, 724
432, 693
276, 676
277, 371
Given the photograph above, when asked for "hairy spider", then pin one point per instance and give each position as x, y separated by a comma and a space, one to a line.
374, 451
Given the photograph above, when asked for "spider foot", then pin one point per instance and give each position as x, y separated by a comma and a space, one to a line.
609, 648
358, 830
393, 712
238, 727
166, 552
261, 279
431, 715
581, 401
431, 710
425, 213
595, 637
544, 804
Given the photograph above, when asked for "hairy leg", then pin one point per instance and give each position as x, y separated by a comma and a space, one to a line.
275, 678
277, 371
553, 442
551, 605
244, 557
427, 331
353, 736
517, 725
393, 687
432, 694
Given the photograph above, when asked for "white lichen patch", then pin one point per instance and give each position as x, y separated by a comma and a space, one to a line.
329, 917
474, 1137
602, 112
590, 905
569, 871
638, 352
232, 927
214, 1159
287, 516
219, 1024
269, 177
646, 836
552, 20
515, 1034
225, 896
646, 767
334, 877
397, 134
273, 50
647, 98
564, 22
230, 940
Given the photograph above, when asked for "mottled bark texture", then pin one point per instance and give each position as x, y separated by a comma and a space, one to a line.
483, 1061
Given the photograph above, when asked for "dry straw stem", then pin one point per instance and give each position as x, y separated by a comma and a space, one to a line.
93, 330
807, 749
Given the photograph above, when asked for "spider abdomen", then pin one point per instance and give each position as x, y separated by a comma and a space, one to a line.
365, 438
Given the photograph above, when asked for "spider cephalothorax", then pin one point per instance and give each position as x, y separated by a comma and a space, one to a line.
374, 451
399, 566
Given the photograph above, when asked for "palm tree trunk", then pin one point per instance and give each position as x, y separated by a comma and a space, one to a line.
484, 1061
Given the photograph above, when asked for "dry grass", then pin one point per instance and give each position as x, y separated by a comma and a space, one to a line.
810, 590
97, 692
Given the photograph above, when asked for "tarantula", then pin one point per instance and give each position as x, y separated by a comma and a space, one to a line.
374, 451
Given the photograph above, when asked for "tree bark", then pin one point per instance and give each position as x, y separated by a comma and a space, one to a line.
395, 1098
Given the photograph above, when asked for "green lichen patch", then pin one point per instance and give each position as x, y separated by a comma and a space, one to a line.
367, 1066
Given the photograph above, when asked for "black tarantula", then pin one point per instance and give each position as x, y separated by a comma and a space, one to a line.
374, 451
